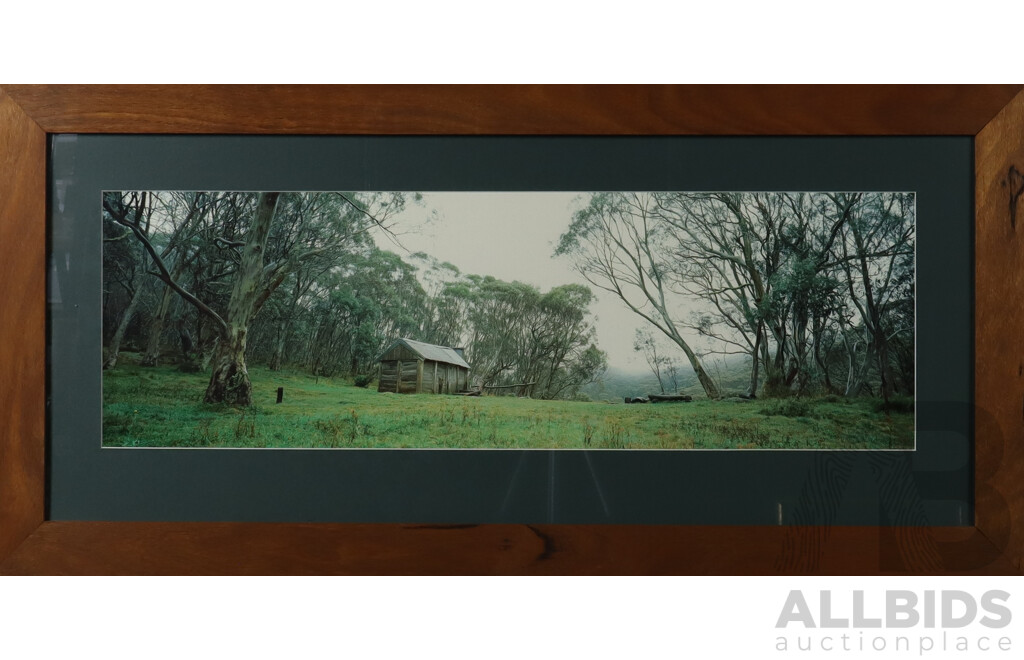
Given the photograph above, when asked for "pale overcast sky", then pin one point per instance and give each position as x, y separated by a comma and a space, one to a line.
512, 236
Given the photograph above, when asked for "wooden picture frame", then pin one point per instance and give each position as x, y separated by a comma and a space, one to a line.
30, 544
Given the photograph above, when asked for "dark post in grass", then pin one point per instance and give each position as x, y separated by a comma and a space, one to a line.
280, 394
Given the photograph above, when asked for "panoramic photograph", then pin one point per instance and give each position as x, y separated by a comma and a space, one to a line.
509, 320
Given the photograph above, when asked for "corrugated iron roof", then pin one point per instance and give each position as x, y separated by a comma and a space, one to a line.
431, 352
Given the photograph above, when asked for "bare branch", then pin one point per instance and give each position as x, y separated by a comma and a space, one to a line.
165, 275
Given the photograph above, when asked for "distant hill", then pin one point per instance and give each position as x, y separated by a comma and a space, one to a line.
732, 373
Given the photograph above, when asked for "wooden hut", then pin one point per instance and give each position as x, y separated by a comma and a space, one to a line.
413, 367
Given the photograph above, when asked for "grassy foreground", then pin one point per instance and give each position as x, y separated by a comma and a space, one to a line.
162, 407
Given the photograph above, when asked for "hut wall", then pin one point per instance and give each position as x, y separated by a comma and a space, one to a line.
409, 370
429, 367
388, 380
399, 376
452, 379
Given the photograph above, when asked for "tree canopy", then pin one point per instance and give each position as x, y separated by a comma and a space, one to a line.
817, 288
213, 280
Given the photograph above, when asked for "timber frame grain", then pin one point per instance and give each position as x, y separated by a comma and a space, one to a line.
992, 114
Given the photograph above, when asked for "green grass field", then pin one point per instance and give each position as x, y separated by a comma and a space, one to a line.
162, 407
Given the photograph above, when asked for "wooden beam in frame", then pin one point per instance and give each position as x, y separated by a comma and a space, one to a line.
516, 109
999, 341
22, 324
28, 544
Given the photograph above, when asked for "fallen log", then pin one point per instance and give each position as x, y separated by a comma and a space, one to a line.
637, 399
670, 398
502, 387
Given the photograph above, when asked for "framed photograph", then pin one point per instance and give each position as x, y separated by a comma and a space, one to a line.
509, 341
527, 304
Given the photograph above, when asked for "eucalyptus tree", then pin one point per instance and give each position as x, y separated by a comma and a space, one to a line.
557, 331
180, 215
774, 267
366, 300
619, 244
305, 226
496, 343
877, 254
448, 299
645, 343
513, 333
782, 277
570, 328
726, 249
384, 301
123, 262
